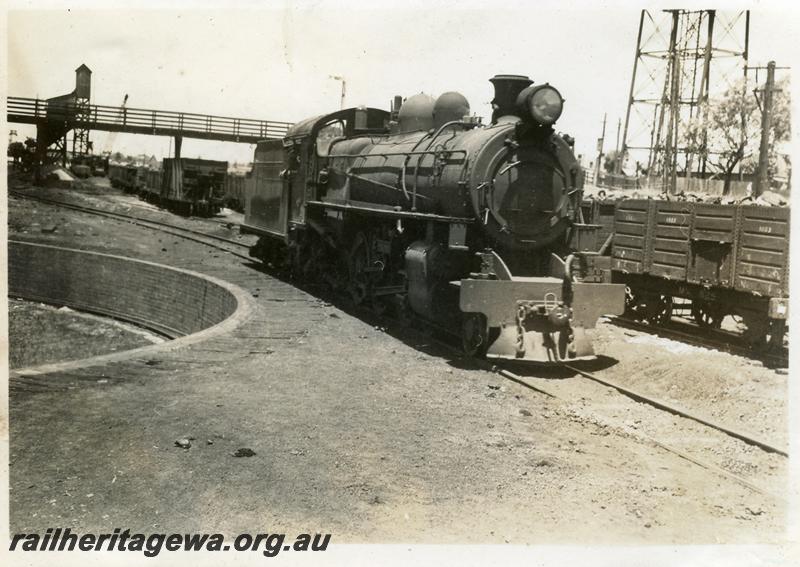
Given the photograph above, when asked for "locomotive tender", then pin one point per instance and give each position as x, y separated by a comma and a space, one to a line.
426, 210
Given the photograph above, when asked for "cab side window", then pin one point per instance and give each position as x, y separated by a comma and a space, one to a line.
326, 136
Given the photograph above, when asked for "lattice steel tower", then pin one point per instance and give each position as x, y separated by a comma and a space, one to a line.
672, 78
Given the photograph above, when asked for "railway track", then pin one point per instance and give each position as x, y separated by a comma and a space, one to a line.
551, 389
716, 340
215, 241
672, 409
236, 248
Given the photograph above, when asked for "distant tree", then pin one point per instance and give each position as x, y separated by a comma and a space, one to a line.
718, 127
16, 151
610, 161
23, 154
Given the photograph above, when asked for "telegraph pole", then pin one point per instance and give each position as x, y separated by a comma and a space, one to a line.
600, 143
617, 157
766, 125
338, 78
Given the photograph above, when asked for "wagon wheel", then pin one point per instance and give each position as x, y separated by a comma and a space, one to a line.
777, 332
634, 304
658, 309
756, 331
474, 334
706, 314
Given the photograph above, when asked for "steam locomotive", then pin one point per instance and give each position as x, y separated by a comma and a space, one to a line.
425, 210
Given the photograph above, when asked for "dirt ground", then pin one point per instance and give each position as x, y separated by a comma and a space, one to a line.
41, 334
381, 436
733, 390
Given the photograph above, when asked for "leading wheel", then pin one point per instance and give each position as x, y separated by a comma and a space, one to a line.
474, 334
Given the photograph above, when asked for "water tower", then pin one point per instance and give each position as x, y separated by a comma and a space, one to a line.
83, 90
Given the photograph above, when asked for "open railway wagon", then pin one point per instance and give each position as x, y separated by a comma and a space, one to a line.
235, 191
193, 186
708, 259
89, 165
114, 174
151, 190
98, 164
129, 178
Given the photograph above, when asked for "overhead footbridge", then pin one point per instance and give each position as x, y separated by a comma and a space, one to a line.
63, 114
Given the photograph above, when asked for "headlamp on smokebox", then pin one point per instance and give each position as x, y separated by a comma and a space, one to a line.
542, 103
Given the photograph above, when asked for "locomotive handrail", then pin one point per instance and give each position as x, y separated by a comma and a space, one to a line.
144, 121
403, 170
386, 154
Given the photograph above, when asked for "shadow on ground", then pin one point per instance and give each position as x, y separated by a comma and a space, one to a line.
435, 341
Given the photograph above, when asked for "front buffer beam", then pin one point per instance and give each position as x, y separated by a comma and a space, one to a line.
540, 319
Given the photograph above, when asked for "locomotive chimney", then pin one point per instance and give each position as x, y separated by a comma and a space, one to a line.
506, 90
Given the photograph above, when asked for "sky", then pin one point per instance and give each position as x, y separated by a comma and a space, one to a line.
274, 60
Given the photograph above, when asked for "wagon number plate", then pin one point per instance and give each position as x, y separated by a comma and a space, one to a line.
765, 229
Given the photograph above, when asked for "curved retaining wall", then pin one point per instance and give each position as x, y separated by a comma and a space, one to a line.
174, 302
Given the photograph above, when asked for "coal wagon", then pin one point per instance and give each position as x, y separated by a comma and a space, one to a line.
129, 178
151, 190
721, 259
235, 191
193, 186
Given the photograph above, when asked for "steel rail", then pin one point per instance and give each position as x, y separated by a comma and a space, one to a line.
550, 393
677, 410
682, 454
146, 223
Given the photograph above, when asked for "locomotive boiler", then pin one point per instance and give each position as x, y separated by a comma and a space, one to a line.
423, 209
